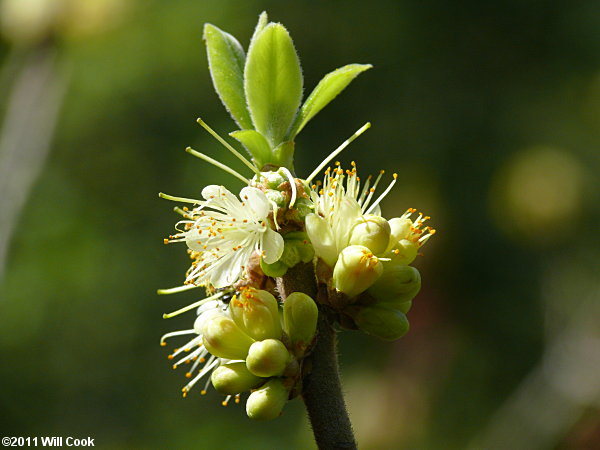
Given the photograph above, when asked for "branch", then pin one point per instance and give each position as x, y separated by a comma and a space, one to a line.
322, 390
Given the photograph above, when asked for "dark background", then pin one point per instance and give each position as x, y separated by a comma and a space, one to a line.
488, 111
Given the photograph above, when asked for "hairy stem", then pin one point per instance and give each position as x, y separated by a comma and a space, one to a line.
322, 390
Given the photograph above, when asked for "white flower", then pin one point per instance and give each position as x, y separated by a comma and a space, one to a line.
194, 353
339, 202
223, 231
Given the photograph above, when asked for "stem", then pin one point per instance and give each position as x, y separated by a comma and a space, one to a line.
322, 390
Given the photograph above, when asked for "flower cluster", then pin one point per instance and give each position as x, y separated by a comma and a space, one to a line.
249, 343
250, 334
372, 284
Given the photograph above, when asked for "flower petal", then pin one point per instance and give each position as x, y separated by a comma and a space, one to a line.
211, 191
257, 201
321, 237
272, 246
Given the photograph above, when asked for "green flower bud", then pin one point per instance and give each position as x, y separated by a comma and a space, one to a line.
233, 378
267, 402
400, 229
404, 252
385, 323
267, 358
291, 253
277, 269
223, 338
356, 269
371, 231
256, 313
296, 249
404, 307
273, 179
276, 197
300, 241
397, 285
303, 207
300, 314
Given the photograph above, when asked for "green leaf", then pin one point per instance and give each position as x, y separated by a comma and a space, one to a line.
273, 82
283, 155
263, 20
226, 61
328, 88
255, 143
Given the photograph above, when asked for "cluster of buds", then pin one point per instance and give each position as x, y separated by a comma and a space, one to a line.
364, 258
255, 346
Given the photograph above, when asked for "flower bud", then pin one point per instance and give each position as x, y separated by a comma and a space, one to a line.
371, 231
277, 269
404, 252
224, 339
321, 238
300, 314
301, 241
291, 253
267, 358
233, 378
267, 402
256, 313
303, 207
399, 229
273, 179
276, 197
385, 323
356, 269
397, 285
404, 307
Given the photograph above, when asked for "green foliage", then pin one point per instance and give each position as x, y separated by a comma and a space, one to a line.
263, 91
328, 88
255, 143
226, 61
273, 82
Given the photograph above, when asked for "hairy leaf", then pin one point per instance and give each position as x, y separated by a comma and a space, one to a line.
328, 88
273, 82
255, 143
226, 61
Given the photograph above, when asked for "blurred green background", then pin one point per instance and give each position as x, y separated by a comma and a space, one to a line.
489, 112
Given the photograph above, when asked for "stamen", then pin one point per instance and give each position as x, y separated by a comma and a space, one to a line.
178, 199
194, 305
174, 333
372, 191
338, 150
292, 185
203, 391
181, 212
226, 401
212, 362
216, 163
185, 287
229, 147
382, 196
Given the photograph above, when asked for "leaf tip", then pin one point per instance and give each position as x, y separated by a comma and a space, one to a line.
207, 30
